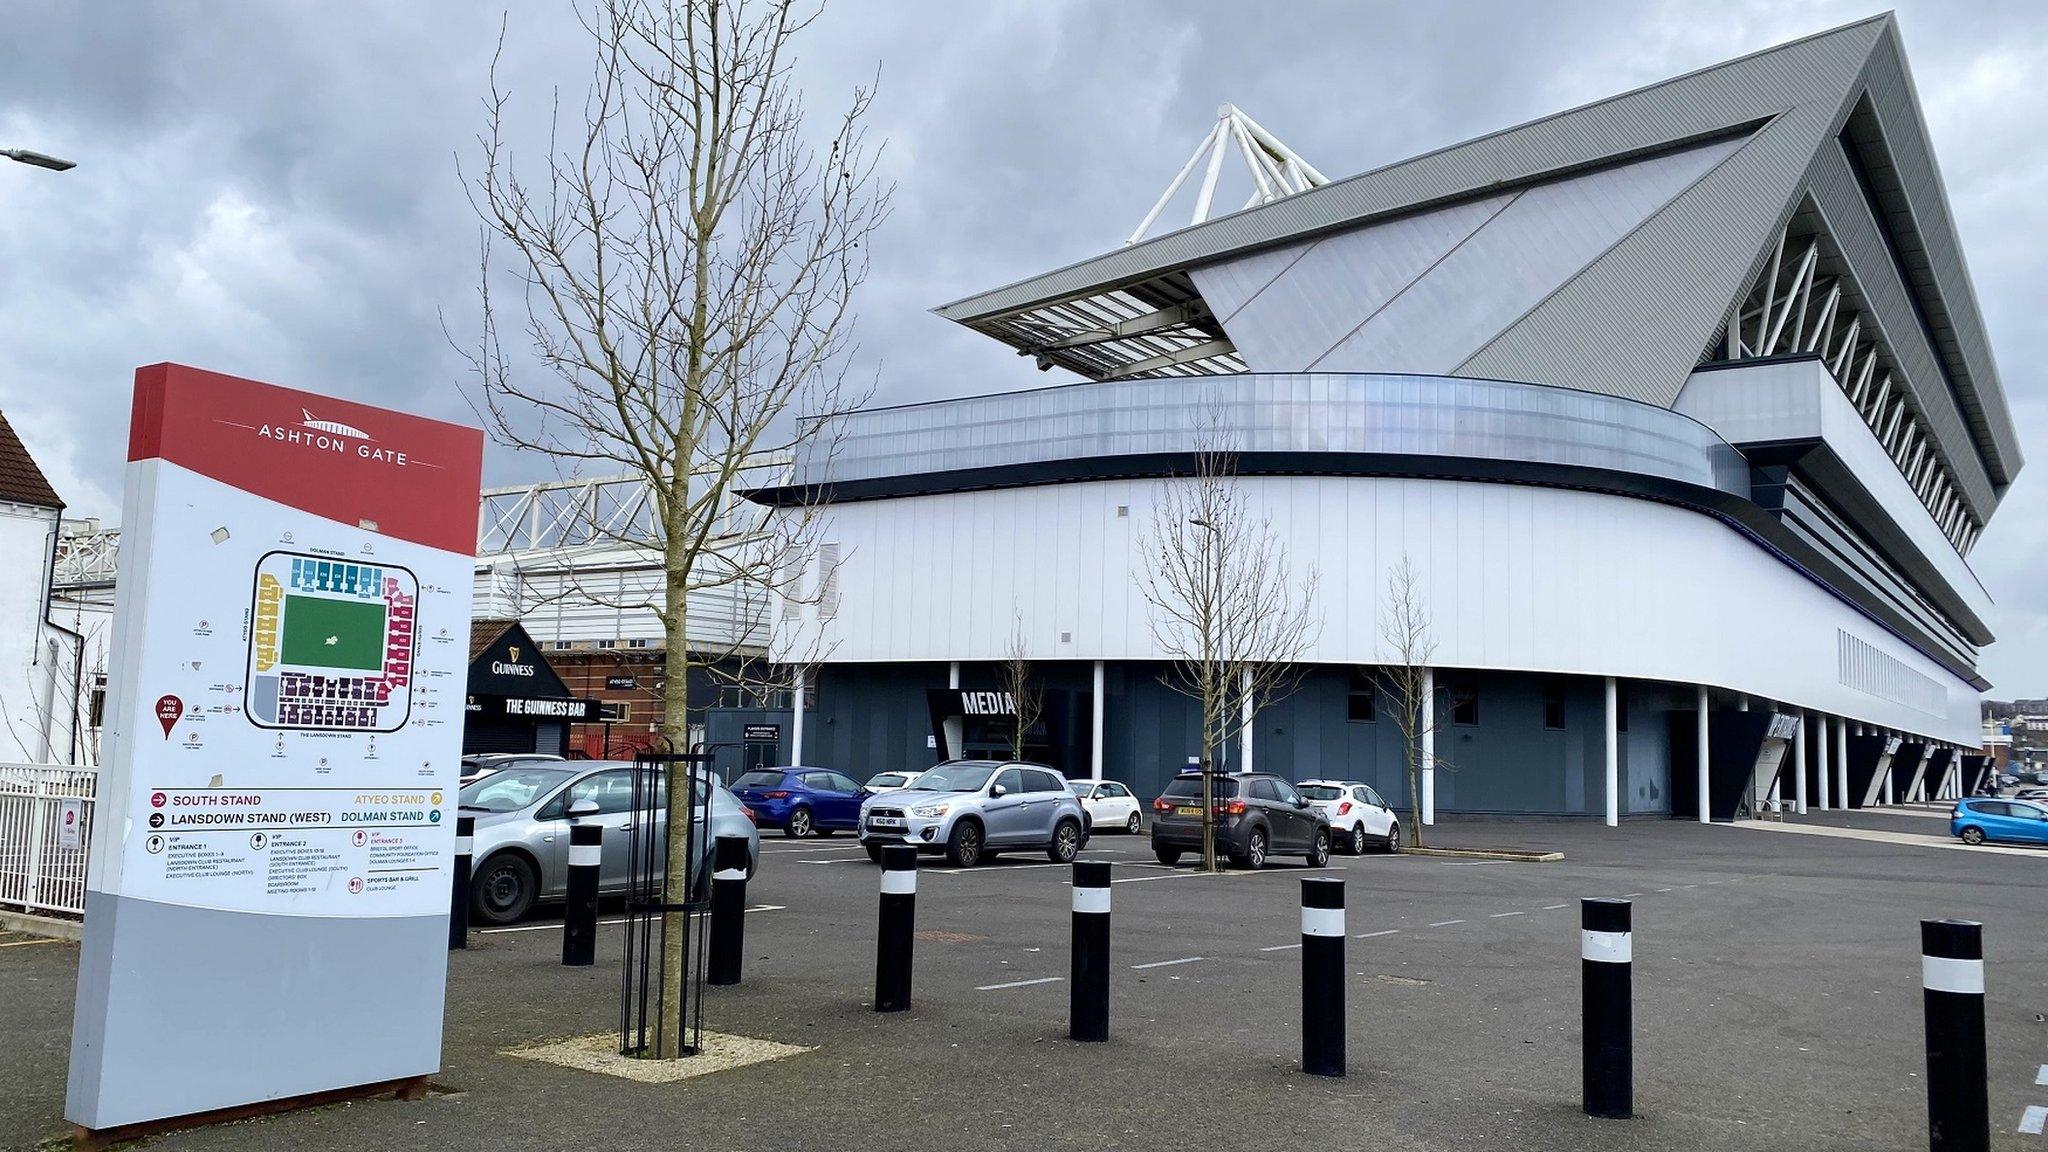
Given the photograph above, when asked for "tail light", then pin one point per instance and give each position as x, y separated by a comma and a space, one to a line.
1230, 808
1160, 805
747, 812
774, 795
1344, 808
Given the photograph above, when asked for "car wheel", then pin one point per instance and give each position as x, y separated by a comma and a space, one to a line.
1132, 825
963, 847
1254, 854
1357, 845
504, 889
1167, 856
1066, 843
1393, 838
1973, 835
1319, 849
874, 851
799, 825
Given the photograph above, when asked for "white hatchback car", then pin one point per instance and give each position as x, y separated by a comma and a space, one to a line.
1358, 817
882, 782
1110, 805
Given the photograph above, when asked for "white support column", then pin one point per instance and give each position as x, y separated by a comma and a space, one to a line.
1427, 722
1244, 722
1613, 760
1742, 702
1095, 724
796, 721
1842, 761
1820, 762
1799, 764
1888, 777
953, 674
1701, 754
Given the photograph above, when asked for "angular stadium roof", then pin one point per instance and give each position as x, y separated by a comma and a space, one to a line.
1605, 249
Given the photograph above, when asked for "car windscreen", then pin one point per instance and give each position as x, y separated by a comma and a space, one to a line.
1321, 792
886, 780
1191, 786
964, 777
757, 780
511, 789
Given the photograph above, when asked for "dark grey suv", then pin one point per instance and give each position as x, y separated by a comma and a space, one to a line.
1257, 815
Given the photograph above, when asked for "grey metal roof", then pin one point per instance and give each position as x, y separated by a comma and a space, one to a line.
1633, 320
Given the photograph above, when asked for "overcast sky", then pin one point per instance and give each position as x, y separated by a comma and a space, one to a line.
269, 189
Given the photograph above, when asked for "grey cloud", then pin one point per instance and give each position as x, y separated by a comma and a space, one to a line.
270, 189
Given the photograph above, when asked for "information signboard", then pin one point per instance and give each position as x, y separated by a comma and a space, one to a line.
272, 856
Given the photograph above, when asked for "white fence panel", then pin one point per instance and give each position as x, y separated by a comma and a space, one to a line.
46, 813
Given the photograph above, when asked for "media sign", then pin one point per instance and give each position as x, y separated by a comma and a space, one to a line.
271, 861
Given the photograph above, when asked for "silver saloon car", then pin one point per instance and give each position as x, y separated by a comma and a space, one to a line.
973, 809
521, 843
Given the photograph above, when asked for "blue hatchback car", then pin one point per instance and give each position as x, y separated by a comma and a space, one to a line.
1977, 820
800, 801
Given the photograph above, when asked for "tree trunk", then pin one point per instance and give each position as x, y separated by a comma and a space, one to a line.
1414, 796
675, 727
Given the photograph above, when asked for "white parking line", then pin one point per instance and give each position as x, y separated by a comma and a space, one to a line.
1445, 923
556, 925
1018, 984
1498, 915
854, 860
1381, 932
1554, 907
2041, 1077
1280, 948
2033, 1119
1166, 963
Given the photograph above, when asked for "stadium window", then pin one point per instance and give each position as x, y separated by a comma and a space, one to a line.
607, 643
1553, 705
640, 642
96, 707
1362, 703
1464, 702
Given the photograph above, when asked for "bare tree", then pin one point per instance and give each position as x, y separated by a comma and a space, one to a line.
1226, 607
1027, 699
1406, 636
687, 260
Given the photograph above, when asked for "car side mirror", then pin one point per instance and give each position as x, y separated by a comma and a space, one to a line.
1301, 802
998, 790
582, 808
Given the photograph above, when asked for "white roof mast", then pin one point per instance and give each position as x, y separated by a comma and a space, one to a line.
1276, 170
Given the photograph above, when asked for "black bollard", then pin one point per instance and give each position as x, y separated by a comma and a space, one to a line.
579, 919
1088, 990
896, 928
1607, 974
1322, 976
728, 910
458, 903
1952, 995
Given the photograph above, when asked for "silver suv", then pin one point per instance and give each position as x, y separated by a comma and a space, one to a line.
974, 809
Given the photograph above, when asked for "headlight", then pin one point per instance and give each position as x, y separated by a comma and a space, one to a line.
930, 811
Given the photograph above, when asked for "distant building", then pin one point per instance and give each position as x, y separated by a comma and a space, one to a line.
42, 678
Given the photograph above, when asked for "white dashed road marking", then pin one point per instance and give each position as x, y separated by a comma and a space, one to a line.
1279, 947
2032, 1120
2041, 1077
1554, 907
1445, 923
1381, 932
1019, 984
1166, 963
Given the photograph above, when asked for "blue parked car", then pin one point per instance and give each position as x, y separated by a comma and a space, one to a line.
800, 801
1977, 820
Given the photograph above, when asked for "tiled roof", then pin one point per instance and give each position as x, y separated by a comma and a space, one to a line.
21, 482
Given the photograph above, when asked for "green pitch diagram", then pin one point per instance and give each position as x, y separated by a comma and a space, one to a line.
331, 647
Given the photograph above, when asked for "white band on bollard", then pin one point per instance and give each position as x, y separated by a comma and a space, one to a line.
899, 883
1322, 922
1941, 974
1607, 947
585, 855
464, 845
1091, 899
730, 874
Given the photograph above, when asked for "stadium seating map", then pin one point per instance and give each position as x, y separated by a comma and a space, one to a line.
331, 646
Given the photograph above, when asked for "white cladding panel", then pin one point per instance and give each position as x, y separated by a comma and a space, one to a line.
613, 594
1517, 577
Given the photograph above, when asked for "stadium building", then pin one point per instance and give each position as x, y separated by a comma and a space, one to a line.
1680, 403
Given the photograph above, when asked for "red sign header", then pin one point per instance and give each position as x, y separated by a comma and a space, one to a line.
401, 476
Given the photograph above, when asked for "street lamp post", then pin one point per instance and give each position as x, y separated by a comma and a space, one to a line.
37, 159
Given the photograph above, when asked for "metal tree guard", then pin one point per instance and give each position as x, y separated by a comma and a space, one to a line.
649, 902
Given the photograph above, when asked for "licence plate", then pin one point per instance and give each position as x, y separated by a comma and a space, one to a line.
884, 822
1186, 811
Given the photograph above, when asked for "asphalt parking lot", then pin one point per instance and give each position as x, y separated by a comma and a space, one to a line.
1777, 1005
